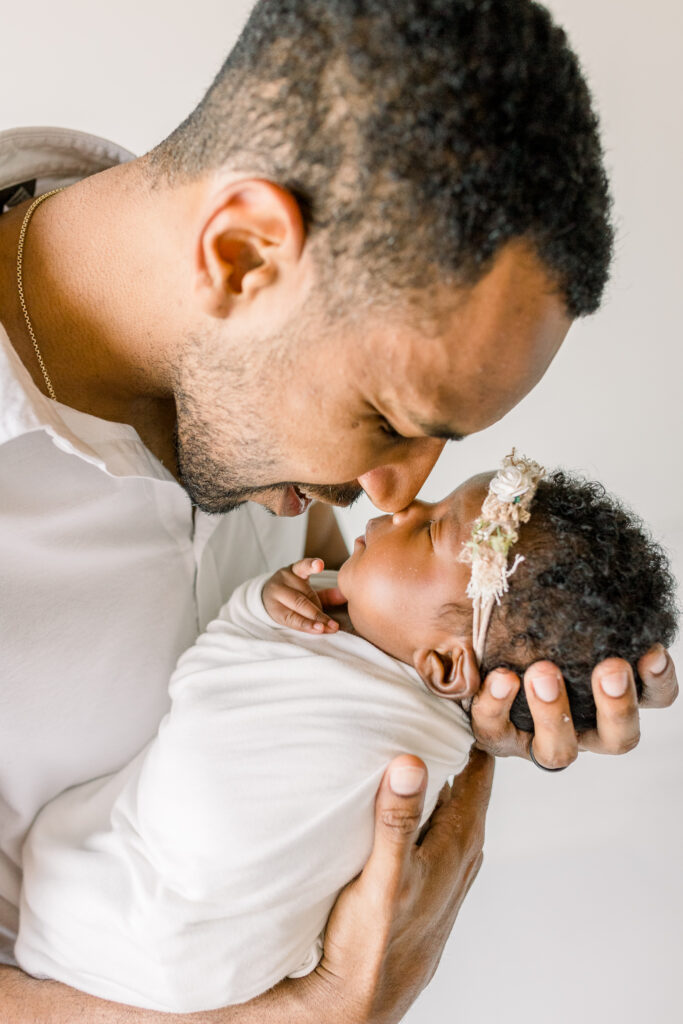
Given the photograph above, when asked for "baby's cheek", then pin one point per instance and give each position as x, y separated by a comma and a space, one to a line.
384, 609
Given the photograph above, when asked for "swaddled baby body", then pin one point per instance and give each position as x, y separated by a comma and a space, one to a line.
204, 872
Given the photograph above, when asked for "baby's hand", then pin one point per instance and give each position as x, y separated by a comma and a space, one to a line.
290, 601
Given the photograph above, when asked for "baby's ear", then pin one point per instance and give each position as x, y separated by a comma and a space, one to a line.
451, 672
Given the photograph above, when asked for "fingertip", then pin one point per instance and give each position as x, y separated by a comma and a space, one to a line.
613, 677
655, 662
544, 680
407, 775
502, 685
611, 665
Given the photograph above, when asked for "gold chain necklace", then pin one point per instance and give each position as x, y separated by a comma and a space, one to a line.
20, 286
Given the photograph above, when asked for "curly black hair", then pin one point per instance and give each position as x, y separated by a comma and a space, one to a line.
594, 585
419, 136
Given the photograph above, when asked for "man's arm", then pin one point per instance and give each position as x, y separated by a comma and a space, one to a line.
384, 938
324, 538
23, 1000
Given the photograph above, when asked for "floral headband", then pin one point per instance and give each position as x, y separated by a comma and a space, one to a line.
506, 506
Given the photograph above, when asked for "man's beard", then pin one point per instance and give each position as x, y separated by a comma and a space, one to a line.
216, 488
249, 470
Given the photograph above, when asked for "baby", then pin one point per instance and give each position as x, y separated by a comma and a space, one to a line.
204, 872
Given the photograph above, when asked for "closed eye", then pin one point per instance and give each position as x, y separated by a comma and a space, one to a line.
386, 428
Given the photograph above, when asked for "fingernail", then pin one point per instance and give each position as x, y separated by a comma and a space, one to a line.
500, 687
406, 780
659, 663
615, 684
332, 624
546, 687
318, 626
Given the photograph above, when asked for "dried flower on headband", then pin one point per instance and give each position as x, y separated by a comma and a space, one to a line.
506, 506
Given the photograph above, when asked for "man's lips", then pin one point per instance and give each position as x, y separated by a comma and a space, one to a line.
290, 501
303, 497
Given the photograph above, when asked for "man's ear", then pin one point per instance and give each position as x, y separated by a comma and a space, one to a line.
451, 672
251, 233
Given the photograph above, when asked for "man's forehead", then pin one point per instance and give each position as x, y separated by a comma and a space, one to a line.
421, 401
479, 351
461, 382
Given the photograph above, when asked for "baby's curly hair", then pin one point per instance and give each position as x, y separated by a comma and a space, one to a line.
593, 585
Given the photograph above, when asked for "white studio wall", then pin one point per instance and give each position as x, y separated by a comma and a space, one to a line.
577, 911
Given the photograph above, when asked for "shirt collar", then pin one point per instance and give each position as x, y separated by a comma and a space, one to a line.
54, 156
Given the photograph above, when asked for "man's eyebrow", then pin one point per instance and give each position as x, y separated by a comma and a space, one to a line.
442, 430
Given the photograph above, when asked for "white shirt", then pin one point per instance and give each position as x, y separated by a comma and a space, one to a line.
105, 575
204, 872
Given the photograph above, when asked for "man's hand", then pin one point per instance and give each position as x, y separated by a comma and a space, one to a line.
385, 935
388, 928
556, 743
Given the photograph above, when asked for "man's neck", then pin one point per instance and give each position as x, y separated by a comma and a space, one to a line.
94, 275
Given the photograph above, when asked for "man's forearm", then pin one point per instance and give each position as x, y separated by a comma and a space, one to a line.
324, 539
23, 1000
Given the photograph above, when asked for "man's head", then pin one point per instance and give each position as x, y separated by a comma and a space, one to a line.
593, 585
401, 203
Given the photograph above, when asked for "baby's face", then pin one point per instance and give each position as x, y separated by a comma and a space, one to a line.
405, 570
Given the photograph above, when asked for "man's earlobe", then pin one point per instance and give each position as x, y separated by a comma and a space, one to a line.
452, 673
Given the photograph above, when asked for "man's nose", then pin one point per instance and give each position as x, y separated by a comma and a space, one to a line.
415, 510
393, 486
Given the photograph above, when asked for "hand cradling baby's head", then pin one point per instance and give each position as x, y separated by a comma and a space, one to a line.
593, 584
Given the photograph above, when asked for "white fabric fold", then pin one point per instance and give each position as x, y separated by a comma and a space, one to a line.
204, 872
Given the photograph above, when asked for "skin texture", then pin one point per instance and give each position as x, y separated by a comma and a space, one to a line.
196, 308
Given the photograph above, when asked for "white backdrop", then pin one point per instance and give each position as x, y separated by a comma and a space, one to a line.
577, 912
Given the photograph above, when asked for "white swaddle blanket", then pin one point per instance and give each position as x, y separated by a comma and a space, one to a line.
204, 872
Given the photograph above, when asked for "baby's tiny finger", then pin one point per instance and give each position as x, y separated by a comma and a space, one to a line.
331, 597
293, 620
306, 567
307, 608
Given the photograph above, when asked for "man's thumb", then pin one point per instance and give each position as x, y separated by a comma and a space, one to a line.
398, 810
